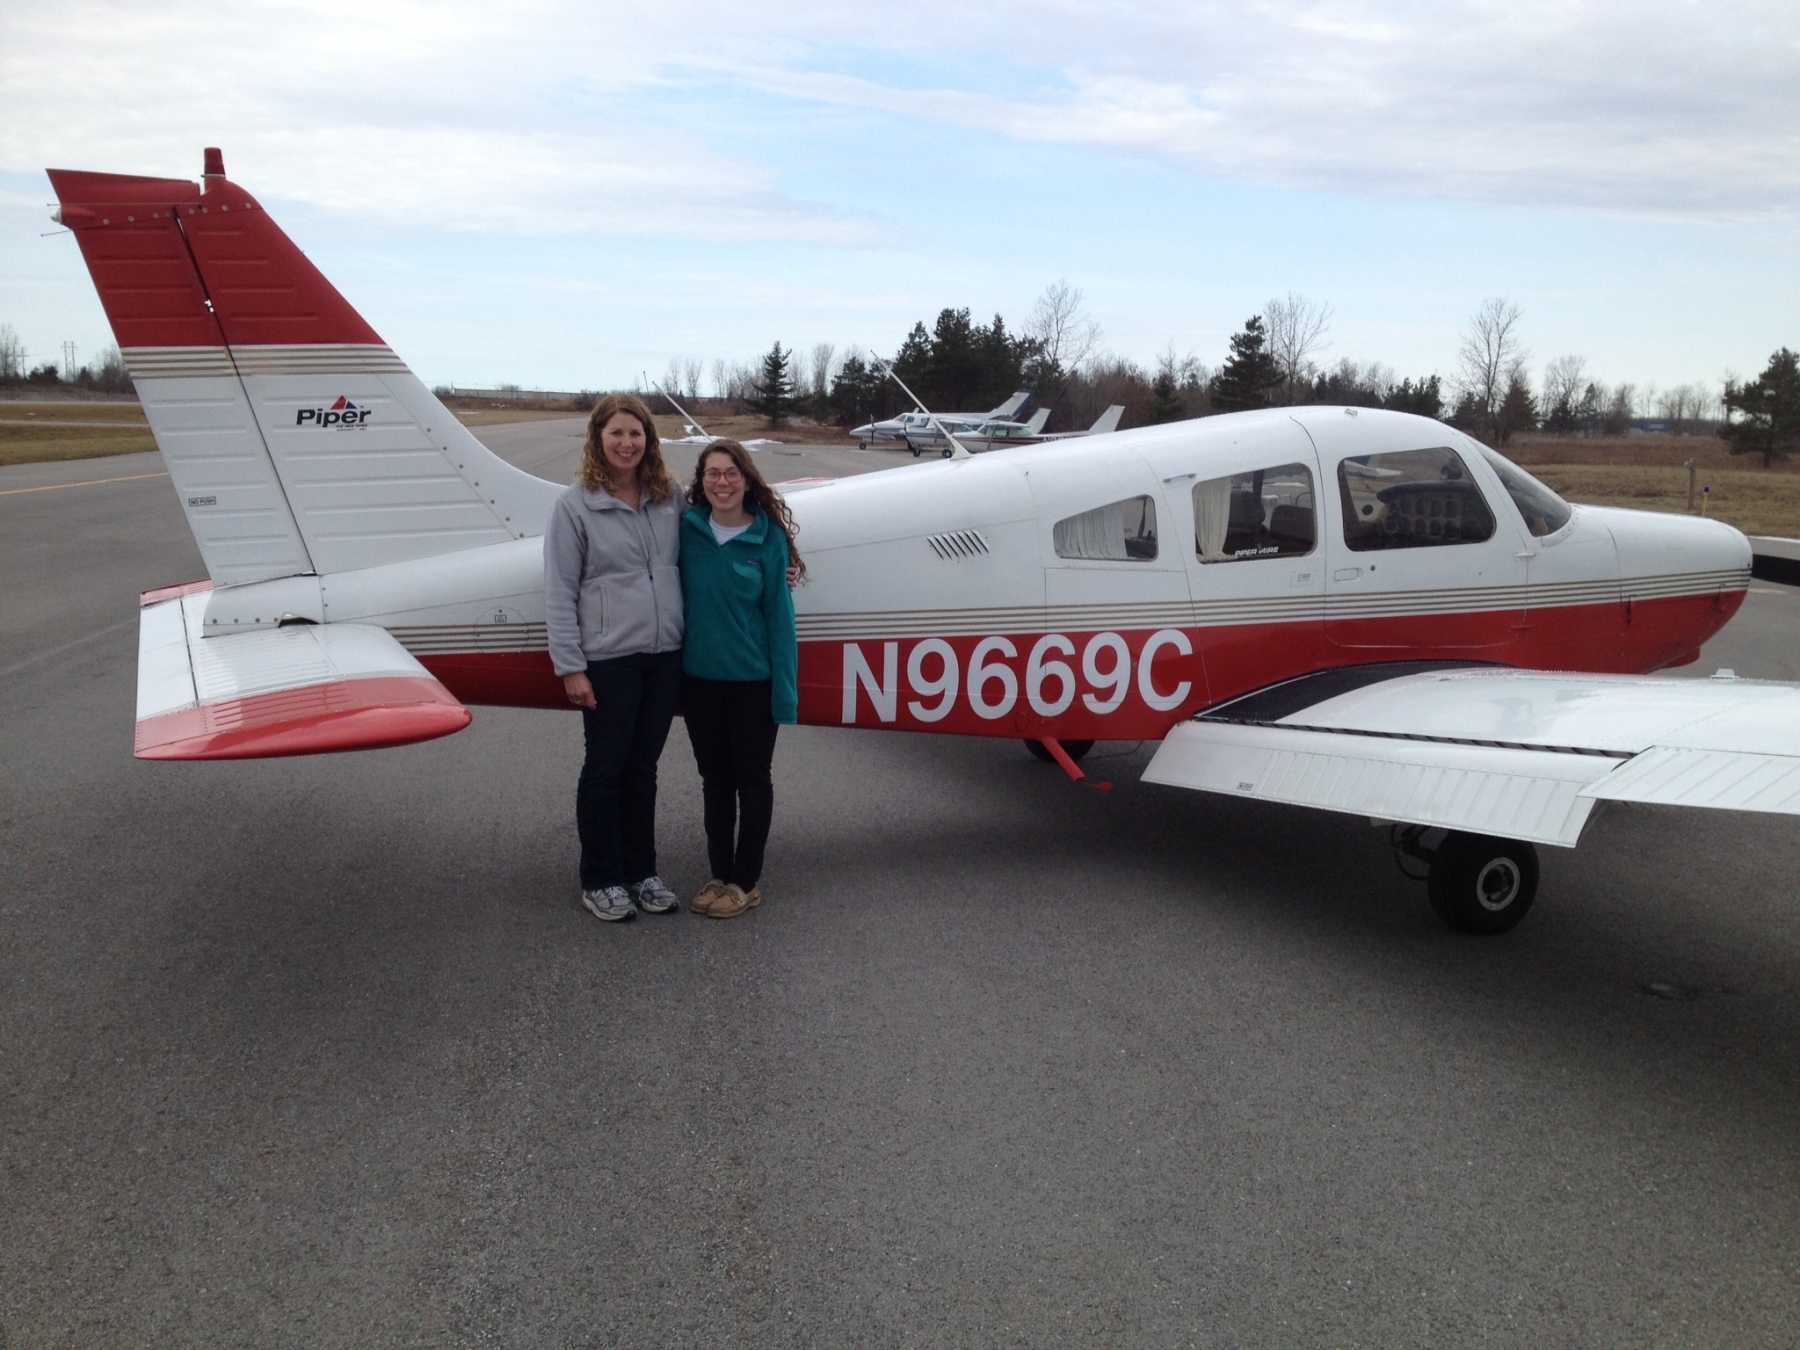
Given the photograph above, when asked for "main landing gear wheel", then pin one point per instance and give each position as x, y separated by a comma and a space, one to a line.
1073, 749
1482, 885
915, 449
946, 452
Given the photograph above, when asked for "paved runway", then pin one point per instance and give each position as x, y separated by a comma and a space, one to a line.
323, 1051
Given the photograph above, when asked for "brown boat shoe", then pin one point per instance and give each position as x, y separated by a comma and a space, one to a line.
709, 896
732, 903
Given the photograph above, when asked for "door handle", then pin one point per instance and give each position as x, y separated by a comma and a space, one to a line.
1346, 574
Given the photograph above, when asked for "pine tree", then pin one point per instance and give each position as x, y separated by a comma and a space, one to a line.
1770, 405
1250, 374
774, 398
1166, 402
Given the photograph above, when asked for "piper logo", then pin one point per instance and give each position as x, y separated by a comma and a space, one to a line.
343, 413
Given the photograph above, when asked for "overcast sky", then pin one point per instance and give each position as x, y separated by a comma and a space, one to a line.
568, 194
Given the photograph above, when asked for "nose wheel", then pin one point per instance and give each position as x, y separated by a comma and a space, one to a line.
1477, 883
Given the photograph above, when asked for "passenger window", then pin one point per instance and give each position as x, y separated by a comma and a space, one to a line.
1122, 531
1264, 514
1411, 499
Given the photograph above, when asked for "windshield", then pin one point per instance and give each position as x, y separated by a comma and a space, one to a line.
1544, 511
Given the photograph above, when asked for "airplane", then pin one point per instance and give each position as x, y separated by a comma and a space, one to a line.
916, 429
1348, 609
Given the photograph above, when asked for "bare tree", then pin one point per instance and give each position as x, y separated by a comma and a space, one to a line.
1491, 360
691, 369
1297, 328
721, 378
1563, 380
671, 380
822, 355
12, 354
1066, 334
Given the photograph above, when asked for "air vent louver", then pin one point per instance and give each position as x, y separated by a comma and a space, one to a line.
959, 544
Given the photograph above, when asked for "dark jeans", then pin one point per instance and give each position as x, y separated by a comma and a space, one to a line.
615, 799
733, 731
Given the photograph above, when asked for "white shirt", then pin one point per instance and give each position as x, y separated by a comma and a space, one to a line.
726, 533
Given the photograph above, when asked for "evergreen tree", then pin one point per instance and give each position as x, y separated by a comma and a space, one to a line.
1517, 410
1250, 374
1165, 404
1770, 407
774, 396
1426, 398
856, 391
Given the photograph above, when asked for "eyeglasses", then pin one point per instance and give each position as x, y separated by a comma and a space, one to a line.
722, 476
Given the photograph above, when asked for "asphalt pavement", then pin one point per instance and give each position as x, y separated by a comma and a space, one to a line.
324, 1051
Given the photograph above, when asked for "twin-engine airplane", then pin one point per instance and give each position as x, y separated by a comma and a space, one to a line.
1342, 608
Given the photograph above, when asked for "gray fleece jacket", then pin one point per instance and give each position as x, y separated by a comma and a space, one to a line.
612, 586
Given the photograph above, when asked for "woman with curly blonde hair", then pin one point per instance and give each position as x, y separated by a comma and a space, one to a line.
613, 607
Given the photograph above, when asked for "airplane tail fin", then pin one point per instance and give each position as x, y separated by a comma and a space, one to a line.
1013, 406
1108, 420
1037, 422
297, 441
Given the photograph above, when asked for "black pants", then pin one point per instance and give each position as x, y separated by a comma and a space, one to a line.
733, 731
615, 799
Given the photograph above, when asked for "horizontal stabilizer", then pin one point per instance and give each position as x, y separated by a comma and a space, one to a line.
305, 689
1519, 754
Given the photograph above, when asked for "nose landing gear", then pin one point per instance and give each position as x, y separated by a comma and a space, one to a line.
1477, 883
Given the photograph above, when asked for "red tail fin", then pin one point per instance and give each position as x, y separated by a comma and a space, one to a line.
160, 249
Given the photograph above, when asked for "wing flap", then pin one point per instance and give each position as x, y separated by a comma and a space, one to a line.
306, 689
1515, 793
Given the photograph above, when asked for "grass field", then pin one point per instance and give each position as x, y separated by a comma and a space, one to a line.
33, 432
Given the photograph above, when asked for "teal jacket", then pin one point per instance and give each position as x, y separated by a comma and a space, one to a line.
740, 614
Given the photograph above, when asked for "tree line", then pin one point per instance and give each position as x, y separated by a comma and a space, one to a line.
105, 374
961, 365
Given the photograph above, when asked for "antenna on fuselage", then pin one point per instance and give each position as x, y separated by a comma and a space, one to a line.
685, 415
959, 450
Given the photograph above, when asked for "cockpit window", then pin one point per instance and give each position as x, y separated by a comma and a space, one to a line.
1121, 531
1411, 499
1544, 511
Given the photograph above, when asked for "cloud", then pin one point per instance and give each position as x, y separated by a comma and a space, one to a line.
556, 117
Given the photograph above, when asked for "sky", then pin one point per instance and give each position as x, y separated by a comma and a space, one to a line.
568, 195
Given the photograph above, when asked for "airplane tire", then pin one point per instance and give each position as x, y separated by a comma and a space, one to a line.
946, 452
1482, 885
1073, 749
915, 450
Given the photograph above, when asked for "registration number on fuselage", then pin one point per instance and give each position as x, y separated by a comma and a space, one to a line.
1126, 685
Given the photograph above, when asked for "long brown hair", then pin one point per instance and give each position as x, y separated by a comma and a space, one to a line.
597, 473
757, 490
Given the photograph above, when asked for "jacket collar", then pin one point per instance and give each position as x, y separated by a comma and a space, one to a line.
602, 500
700, 518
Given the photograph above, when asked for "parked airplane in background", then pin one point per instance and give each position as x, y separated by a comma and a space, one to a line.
913, 427
1343, 608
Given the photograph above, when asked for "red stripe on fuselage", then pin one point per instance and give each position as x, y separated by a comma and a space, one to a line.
1226, 661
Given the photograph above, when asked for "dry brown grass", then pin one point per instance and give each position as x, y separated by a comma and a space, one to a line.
31, 433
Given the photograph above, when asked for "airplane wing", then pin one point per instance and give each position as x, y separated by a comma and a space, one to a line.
304, 689
1512, 753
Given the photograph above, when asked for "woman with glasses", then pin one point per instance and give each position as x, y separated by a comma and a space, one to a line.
612, 604
740, 664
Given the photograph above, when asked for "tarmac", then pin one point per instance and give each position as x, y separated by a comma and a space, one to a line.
324, 1051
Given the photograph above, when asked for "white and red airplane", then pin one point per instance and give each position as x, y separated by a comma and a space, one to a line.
1335, 607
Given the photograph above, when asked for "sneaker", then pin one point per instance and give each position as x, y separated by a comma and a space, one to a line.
611, 903
709, 895
652, 896
753, 897
730, 903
